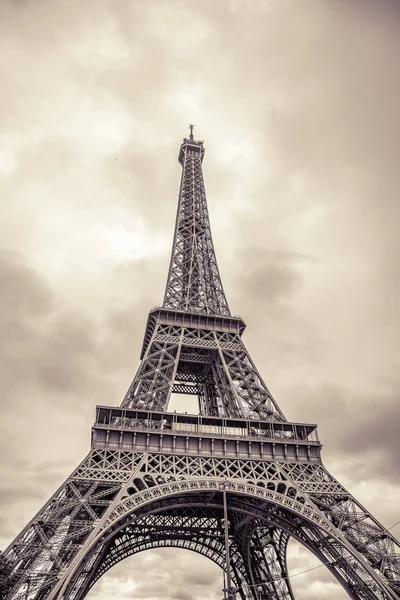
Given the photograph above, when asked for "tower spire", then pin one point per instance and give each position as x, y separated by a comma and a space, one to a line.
194, 283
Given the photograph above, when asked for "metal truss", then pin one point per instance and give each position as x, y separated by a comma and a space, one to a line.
196, 529
214, 365
74, 539
264, 549
260, 558
194, 283
54, 536
152, 478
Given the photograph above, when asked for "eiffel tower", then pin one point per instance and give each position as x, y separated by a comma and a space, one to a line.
157, 478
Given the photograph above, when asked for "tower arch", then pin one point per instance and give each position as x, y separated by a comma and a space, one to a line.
268, 510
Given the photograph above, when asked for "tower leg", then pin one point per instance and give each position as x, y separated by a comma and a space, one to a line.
267, 554
264, 549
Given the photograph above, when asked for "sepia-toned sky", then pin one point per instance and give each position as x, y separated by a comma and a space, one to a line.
298, 104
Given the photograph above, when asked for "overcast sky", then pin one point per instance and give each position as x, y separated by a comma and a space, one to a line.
298, 104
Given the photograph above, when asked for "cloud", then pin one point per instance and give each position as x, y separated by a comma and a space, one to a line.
267, 274
40, 342
308, 581
56, 365
179, 574
297, 103
363, 430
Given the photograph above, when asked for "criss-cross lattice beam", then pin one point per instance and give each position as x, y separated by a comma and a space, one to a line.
197, 529
194, 283
153, 479
267, 558
365, 563
47, 545
217, 366
264, 555
361, 529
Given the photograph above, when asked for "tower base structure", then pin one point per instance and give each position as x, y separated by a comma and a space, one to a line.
153, 478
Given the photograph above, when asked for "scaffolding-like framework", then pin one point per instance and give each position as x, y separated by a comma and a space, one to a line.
152, 478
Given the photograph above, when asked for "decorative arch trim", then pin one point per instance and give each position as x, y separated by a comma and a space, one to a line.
129, 504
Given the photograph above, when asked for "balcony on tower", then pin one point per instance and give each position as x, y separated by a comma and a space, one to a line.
191, 146
177, 433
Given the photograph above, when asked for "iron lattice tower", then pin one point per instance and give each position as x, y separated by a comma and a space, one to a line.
153, 478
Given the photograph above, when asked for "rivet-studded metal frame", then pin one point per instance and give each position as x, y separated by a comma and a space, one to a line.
154, 499
152, 478
193, 281
212, 364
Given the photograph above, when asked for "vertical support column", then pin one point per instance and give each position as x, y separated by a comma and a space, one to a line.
239, 408
172, 380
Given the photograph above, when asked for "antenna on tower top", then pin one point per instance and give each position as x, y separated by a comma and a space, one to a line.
191, 127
